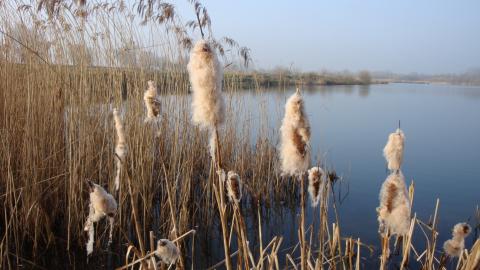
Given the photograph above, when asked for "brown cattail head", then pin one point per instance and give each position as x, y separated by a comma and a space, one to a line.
295, 137
206, 75
455, 246
102, 201
151, 100
393, 151
316, 179
234, 187
101, 204
394, 209
461, 230
167, 251
121, 148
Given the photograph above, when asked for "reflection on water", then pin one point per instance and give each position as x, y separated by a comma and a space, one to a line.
350, 125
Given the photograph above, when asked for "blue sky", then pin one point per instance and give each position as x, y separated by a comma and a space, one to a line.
425, 36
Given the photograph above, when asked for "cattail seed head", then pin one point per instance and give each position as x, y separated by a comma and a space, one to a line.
101, 204
152, 103
394, 209
295, 137
206, 76
393, 151
121, 148
455, 246
316, 179
102, 201
234, 187
167, 251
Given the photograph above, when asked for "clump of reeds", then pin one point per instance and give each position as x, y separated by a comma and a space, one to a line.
121, 148
167, 251
234, 187
316, 178
152, 103
393, 151
101, 204
206, 76
295, 137
455, 246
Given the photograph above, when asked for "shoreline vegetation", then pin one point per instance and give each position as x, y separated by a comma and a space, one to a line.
177, 195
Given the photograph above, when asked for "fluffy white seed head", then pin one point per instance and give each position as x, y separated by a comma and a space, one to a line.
316, 180
121, 144
393, 151
455, 246
101, 204
151, 99
394, 209
234, 187
102, 201
167, 251
295, 137
206, 76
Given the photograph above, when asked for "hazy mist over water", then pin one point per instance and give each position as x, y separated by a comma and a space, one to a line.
398, 36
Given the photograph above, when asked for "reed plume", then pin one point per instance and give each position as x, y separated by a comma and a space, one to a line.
121, 148
234, 187
455, 246
295, 137
101, 204
206, 76
393, 151
316, 177
167, 251
394, 209
152, 103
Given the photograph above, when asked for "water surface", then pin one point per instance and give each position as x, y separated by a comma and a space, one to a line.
350, 126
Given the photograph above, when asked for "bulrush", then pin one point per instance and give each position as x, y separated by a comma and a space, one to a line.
455, 246
101, 204
295, 137
316, 177
206, 76
120, 147
167, 251
152, 103
234, 187
394, 209
393, 151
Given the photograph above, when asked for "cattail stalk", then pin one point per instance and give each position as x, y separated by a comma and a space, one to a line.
121, 148
208, 111
295, 154
151, 100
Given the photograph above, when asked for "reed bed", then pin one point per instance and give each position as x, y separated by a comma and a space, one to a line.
73, 80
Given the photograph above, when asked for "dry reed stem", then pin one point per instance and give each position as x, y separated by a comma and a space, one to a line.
303, 248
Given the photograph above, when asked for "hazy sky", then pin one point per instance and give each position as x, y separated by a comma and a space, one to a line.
428, 36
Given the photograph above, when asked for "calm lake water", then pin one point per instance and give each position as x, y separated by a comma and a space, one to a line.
350, 125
